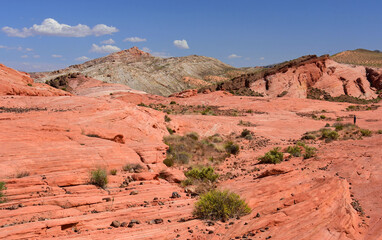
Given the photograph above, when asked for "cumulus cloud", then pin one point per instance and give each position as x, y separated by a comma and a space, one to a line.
262, 58
134, 39
104, 48
50, 27
56, 56
182, 44
28, 49
232, 56
83, 58
108, 41
161, 54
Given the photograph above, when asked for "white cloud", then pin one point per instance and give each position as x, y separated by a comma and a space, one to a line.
28, 49
108, 41
262, 58
146, 49
182, 44
50, 27
83, 58
56, 56
135, 39
233, 56
24, 56
104, 48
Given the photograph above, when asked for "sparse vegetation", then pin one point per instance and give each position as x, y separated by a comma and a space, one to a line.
2, 188
315, 93
247, 134
133, 167
232, 148
170, 131
246, 123
220, 205
191, 148
309, 152
22, 174
273, 156
329, 134
98, 177
202, 174
295, 151
365, 132
113, 172
167, 118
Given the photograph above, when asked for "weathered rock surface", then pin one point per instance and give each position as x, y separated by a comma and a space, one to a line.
295, 78
13, 82
60, 139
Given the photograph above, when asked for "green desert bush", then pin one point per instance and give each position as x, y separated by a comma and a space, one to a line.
167, 118
309, 152
295, 151
379, 132
365, 132
329, 134
273, 156
247, 134
98, 177
2, 188
220, 205
169, 162
203, 174
231, 148
193, 135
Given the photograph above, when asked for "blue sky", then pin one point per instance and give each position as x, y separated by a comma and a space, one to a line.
238, 32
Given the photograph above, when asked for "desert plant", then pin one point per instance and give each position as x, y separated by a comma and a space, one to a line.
322, 117
273, 156
245, 133
2, 188
133, 167
295, 151
204, 174
172, 102
327, 125
167, 118
379, 132
169, 162
231, 148
365, 132
22, 174
329, 134
170, 131
98, 177
193, 135
113, 172
339, 119
309, 152
220, 205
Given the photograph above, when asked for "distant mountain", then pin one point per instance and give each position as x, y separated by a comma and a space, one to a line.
360, 57
142, 71
307, 77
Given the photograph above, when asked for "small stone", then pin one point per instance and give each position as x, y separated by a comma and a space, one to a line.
115, 224
257, 215
156, 221
123, 224
210, 232
134, 221
135, 192
175, 195
190, 231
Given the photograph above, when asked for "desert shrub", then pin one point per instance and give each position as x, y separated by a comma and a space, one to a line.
295, 151
167, 118
170, 131
98, 177
142, 105
282, 94
309, 137
322, 117
133, 167
231, 148
273, 156
22, 174
327, 125
204, 174
216, 138
339, 119
245, 133
113, 172
365, 132
172, 102
309, 152
193, 135
329, 134
169, 162
379, 132
220, 205
2, 188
